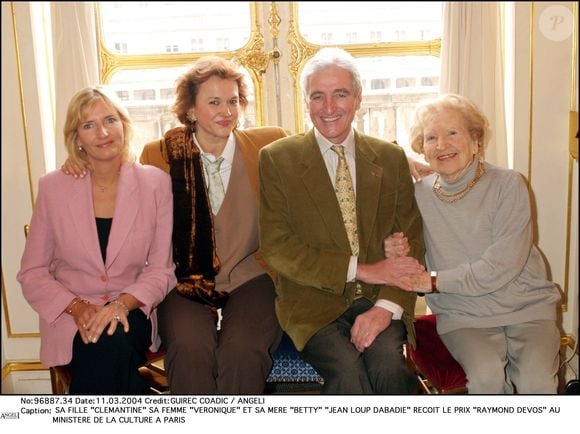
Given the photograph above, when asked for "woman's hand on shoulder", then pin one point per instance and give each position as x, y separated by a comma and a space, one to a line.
76, 170
396, 245
418, 169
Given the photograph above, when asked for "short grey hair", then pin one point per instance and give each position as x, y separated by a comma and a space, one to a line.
326, 58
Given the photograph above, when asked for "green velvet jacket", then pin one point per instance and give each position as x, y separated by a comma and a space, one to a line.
302, 235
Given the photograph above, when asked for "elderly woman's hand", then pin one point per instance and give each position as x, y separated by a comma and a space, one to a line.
396, 245
418, 169
390, 271
70, 168
421, 282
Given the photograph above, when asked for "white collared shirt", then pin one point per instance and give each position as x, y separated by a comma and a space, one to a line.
226, 166
331, 161
331, 158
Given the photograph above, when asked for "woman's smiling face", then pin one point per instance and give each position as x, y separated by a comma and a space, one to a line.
448, 145
101, 133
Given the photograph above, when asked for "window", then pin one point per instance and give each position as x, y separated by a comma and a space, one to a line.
405, 82
327, 38
376, 36
144, 95
222, 44
151, 27
123, 95
160, 30
430, 81
380, 83
400, 35
395, 43
394, 80
120, 47
197, 45
168, 94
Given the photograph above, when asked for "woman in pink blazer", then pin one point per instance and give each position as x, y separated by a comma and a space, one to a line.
98, 259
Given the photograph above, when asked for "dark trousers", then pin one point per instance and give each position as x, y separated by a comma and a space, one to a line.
235, 360
380, 369
110, 366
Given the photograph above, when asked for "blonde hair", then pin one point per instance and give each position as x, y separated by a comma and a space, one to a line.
78, 108
476, 121
187, 86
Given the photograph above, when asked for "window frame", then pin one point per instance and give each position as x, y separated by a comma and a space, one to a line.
251, 56
303, 50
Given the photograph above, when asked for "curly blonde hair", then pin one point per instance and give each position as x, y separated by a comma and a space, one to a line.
476, 121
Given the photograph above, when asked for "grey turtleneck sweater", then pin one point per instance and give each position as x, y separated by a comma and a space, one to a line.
489, 272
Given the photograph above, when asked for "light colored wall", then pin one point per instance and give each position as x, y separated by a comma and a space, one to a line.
22, 164
20, 140
542, 100
546, 70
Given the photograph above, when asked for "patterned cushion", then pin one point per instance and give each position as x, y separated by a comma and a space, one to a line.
289, 367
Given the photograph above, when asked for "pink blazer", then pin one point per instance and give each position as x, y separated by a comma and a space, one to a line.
62, 257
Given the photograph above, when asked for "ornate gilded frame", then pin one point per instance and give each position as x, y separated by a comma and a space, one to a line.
251, 56
302, 51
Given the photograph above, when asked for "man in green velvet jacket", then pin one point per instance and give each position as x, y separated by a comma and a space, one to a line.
342, 306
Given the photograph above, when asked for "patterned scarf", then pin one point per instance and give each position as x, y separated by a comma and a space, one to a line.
194, 249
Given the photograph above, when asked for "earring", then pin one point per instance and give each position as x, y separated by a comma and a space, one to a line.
80, 148
191, 117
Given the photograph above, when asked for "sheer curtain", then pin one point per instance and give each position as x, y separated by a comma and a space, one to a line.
75, 58
472, 65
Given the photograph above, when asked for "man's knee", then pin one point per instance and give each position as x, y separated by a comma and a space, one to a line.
392, 377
